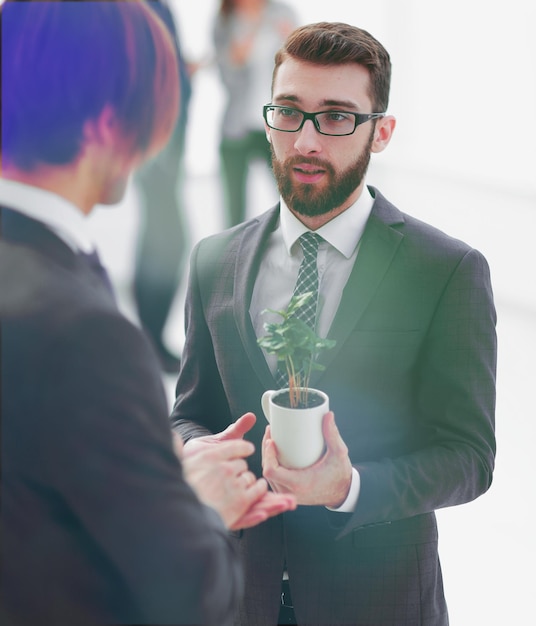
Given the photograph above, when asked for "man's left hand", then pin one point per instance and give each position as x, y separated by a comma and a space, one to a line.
326, 483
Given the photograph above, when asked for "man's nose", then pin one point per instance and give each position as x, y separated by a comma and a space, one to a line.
308, 139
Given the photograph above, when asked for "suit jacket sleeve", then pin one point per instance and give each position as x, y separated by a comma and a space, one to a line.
201, 405
453, 408
105, 396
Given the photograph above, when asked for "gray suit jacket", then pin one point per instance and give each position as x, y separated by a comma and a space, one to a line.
412, 385
98, 524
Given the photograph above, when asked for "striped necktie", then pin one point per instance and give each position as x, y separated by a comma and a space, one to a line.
307, 281
308, 277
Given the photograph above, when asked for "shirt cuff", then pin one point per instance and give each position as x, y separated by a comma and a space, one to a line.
349, 504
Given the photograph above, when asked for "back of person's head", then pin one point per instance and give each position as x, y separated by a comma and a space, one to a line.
229, 6
336, 43
64, 62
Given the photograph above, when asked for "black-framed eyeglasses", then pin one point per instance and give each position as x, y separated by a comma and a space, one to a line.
335, 123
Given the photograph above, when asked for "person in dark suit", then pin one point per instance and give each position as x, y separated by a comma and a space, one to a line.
101, 521
411, 379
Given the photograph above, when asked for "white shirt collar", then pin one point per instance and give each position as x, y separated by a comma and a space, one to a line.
59, 215
342, 232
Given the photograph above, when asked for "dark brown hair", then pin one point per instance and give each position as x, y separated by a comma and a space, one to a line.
336, 43
63, 62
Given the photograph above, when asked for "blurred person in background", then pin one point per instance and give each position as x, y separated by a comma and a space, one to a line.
105, 518
411, 379
163, 237
246, 34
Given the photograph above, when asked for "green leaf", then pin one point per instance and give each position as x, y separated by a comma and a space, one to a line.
294, 342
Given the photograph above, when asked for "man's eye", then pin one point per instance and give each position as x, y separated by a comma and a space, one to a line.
337, 116
288, 112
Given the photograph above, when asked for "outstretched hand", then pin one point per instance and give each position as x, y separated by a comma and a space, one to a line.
269, 505
215, 467
236, 430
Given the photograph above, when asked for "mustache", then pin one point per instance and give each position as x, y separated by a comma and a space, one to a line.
296, 160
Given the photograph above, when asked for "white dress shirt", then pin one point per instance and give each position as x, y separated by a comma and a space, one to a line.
62, 217
278, 272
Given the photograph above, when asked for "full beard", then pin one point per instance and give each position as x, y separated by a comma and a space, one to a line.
306, 199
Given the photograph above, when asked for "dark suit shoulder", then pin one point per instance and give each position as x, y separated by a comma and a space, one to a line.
224, 247
432, 242
26, 280
31, 283
436, 239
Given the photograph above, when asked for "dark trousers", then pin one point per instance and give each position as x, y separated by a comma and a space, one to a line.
236, 155
162, 239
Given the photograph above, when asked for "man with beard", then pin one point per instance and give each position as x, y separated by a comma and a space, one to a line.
411, 379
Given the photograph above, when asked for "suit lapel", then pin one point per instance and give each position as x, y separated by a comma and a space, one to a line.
379, 245
249, 253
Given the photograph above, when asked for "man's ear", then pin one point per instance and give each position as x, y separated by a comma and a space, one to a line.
267, 130
102, 130
383, 132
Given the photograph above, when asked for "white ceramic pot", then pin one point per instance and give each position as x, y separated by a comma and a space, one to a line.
297, 433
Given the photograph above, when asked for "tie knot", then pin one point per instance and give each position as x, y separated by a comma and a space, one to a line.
309, 242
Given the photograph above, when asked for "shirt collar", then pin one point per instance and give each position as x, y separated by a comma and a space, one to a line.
342, 232
58, 214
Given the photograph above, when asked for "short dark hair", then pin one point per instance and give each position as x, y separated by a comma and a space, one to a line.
63, 62
336, 43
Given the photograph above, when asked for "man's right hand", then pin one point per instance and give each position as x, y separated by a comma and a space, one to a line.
236, 430
220, 476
